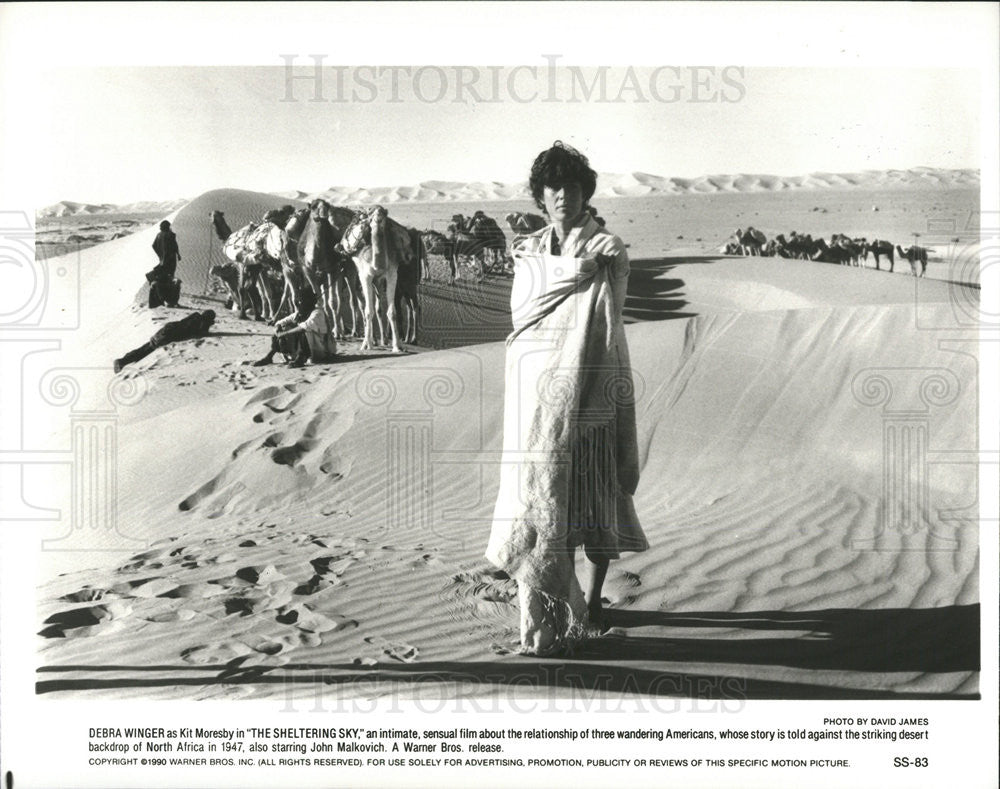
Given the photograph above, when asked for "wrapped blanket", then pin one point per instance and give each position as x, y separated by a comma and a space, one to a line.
570, 462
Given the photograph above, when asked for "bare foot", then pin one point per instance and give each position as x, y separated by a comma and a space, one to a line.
595, 612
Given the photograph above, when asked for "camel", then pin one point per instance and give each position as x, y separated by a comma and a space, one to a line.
802, 246
281, 244
883, 248
914, 255
314, 260
853, 249
232, 276
479, 235
829, 253
779, 246
523, 224
228, 275
488, 233
750, 241
256, 268
431, 242
384, 253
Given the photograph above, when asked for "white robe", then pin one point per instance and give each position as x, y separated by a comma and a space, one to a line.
570, 460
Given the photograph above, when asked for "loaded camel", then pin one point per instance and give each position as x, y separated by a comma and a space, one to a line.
524, 224
854, 249
385, 255
247, 248
479, 235
881, 248
749, 241
914, 255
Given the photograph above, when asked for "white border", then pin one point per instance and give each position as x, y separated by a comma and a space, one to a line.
844, 35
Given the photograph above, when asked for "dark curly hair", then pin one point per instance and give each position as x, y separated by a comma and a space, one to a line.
559, 165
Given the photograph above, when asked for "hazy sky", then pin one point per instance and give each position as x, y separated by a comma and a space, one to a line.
125, 133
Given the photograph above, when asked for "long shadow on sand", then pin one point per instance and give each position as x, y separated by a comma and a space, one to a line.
653, 296
839, 639
925, 640
265, 332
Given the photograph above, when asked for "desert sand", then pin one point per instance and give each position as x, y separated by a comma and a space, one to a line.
803, 428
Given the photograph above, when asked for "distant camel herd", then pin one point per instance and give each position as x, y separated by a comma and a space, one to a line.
363, 266
840, 249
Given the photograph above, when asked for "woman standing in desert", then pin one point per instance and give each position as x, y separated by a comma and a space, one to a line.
570, 462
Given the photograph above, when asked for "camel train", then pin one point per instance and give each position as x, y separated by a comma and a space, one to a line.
840, 249
292, 249
347, 258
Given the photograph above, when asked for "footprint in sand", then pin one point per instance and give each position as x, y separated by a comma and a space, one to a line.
335, 566
259, 574
143, 560
256, 600
314, 585
241, 379
404, 653
87, 621
144, 587
284, 643
282, 403
210, 654
86, 595
195, 591
425, 560
304, 618
270, 393
219, 484
169, 615
487, 595
487, 584
292, 454
619, 589
333, 464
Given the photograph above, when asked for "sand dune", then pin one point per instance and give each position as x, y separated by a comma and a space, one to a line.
68, 208
609, 185
646, 185
328, 524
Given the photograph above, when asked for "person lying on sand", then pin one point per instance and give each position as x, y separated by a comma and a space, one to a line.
194, 325
570, 456
303, 336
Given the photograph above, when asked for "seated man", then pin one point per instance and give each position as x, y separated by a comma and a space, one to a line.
194, 325
162, 290
163, 287
302, 336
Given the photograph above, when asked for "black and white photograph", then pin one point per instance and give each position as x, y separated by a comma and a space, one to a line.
416, 394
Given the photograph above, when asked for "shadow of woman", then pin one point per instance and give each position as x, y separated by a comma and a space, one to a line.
883, 640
